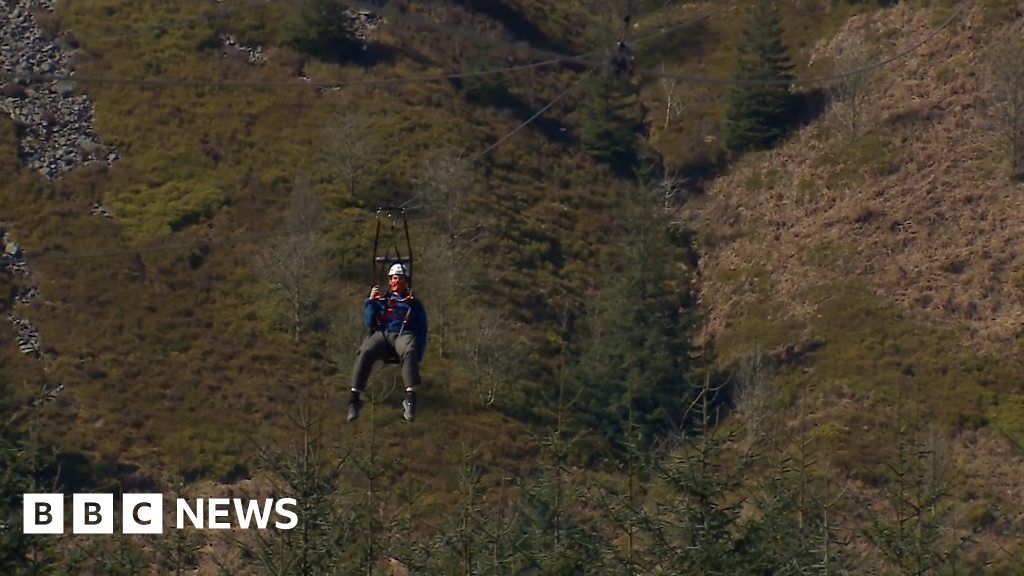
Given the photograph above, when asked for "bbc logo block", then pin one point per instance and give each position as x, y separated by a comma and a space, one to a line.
44, 514
144, 513
94, 514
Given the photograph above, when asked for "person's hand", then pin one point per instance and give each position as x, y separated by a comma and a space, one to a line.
375, 293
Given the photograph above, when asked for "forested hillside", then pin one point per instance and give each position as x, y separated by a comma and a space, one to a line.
713, 287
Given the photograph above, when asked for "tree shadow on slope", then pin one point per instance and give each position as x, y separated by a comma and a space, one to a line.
807, 107
712, 163
514, 21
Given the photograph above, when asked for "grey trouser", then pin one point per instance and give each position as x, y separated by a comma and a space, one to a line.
379, 345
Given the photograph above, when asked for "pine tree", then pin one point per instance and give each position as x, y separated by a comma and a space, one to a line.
790, 532
636, 336
552, 536
607, 133
916, 532
26, 466
760, 105
306, 470
481, 531
691, 527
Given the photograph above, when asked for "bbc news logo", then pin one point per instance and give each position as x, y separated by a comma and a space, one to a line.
144, 514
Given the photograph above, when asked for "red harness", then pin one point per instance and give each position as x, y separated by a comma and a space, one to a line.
389, 310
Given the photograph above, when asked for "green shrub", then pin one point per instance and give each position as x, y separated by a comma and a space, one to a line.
159, 211
874, 155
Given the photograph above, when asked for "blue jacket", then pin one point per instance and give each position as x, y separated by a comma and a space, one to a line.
396, 314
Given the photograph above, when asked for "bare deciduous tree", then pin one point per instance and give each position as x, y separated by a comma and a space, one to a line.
492, 352
1007, 69
291, 261
447, 182
672, 188
848, 93
350, 145
673, 102
753, 395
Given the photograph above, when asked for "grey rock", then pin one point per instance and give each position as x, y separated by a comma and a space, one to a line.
64, 87
88, 146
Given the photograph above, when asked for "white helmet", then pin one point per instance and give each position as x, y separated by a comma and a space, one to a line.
398, 269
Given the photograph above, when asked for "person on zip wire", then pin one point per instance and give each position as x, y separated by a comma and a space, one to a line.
399, 328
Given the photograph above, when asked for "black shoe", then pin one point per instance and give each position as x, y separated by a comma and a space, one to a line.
353, 409
409, 407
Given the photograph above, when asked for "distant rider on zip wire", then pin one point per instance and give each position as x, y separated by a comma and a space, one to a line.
399, 325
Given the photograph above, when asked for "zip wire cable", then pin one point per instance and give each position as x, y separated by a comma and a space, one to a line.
558, 98
513, 132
